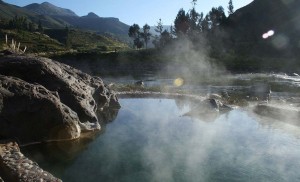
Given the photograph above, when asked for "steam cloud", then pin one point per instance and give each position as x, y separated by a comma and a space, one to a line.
155, 144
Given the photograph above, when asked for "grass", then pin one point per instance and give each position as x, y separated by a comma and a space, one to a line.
85, 41
57, 41
34, 42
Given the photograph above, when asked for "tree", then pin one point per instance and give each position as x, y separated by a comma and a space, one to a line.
31, 27
40, 27
68, 37
193, 18
194, 29
165, 39
216, 17
194, 3
138, 43
205, 25
199, 24
146, 34
181, 23
172, 31
134, 33
159, 27
230, 8
19, 23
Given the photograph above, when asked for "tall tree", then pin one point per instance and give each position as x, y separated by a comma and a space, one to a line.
216, 17
146, 34
200, 20
181, 23
193, 18
134, 33
230, 8
159, 27
165, 39
205, 25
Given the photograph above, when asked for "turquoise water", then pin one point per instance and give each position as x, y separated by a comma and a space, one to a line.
150, 140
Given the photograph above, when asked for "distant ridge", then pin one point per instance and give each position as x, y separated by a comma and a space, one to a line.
92, 15
46, 8
55, 17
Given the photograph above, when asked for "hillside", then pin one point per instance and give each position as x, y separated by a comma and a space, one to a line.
35, 42
57, 40
247, 25
85, 41
9, 11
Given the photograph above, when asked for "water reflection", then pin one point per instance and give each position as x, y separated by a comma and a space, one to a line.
150, 141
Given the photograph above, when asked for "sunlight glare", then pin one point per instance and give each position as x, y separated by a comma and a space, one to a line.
265, 36
270, 33
178, 82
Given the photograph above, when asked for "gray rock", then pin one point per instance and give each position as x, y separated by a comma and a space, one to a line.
11, 171
139, 83
279, 113
261, 91
207, 110
83, 93
31, 113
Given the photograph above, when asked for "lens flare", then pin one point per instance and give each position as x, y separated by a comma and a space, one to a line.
265, 36
178, 82
271, 33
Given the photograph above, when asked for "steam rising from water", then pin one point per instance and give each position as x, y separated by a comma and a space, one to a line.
191, 62
149, 141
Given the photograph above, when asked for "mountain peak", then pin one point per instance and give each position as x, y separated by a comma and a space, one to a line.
92, 15
46, 3
47, 8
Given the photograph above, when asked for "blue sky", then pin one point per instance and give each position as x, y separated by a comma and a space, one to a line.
135, 11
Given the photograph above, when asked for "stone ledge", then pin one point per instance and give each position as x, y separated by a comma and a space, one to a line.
14, 166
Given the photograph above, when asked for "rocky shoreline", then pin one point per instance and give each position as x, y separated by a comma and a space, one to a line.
33, 87
16, 167
42, 100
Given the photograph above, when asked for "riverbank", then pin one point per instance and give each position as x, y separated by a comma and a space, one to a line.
171, 63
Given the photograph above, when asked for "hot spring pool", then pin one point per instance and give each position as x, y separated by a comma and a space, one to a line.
150, 140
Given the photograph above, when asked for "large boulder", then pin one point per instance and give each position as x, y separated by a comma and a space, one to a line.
31, 113
83, 93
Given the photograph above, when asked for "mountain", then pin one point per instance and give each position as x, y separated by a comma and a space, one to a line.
67, 17
91, 15
48, 9
55, 17
247, 25
95, 23
9, 11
